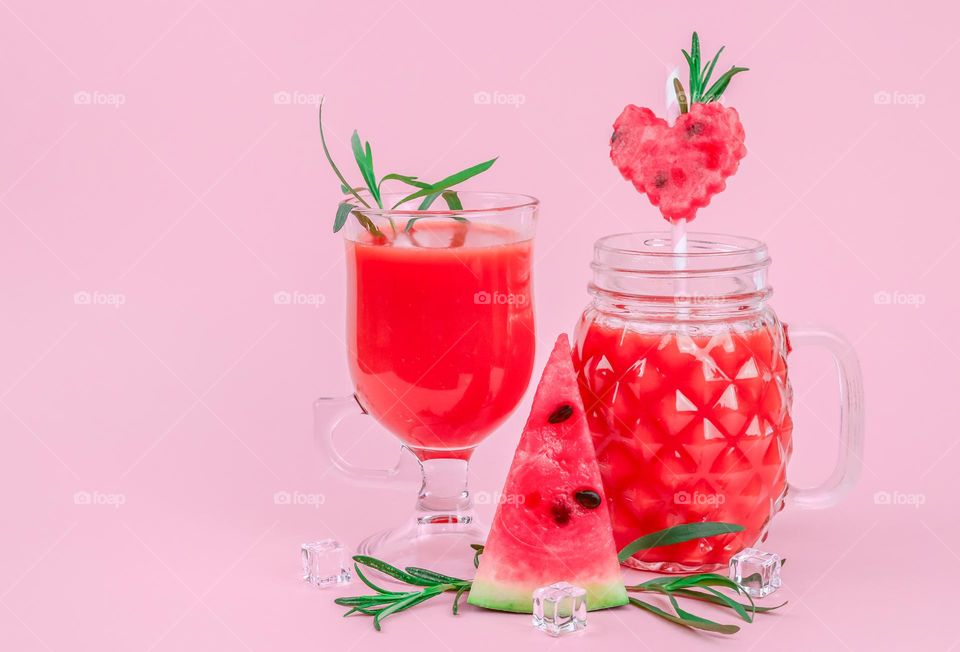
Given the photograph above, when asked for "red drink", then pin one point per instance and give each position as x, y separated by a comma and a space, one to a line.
440, 331
688, 428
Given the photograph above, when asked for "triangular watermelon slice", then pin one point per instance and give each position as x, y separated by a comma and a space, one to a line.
552, 523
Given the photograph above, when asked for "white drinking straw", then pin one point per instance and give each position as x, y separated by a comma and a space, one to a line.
678, 236
678, 232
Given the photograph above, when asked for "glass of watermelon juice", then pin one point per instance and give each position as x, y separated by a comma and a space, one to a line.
440, 344
682, 366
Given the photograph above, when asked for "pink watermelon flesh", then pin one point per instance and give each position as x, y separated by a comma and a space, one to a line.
552, 522
680, 168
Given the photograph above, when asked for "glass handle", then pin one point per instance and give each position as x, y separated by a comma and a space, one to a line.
328, 413
850, 436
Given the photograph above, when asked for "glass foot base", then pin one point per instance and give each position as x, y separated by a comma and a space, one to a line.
438, 543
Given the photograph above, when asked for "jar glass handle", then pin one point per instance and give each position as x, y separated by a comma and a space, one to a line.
850, 437
328, 413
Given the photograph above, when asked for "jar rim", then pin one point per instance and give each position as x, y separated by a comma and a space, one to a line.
652, 252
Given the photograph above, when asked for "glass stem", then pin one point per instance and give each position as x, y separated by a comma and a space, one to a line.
444, 497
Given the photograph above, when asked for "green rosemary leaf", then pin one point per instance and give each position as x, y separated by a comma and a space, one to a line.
428, 200
392, 571
452, 180
368, 224
721, 84
407, 179
718, 598
395, 607
477, 551
343, 212
693, 81
677, 585
412, 220
677, 534
708, 72
720, 629
693, 594
363, 610
456, 598
365, 580
453, 202
336, 170
367, 600
365, 162
412, 601
681, 96
694, 67
702, 579
433, 576
692, 618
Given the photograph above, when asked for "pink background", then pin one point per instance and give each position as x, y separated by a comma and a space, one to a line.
188, 191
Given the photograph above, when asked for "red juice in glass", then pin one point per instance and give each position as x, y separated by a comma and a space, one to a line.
440, 331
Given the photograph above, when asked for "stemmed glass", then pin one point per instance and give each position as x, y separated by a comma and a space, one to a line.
440, 343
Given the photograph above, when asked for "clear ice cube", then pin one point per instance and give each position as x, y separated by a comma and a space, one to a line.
325, 564
560, 608
758, 572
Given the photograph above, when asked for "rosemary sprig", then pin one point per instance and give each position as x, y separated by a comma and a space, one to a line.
703, 587
428, 192
384, 603
699, 83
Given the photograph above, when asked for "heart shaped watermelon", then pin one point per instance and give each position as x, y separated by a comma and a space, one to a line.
681, 167
552, 522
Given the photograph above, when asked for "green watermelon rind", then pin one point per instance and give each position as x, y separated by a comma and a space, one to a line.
519, 598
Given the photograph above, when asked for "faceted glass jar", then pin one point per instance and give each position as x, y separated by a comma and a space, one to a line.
683, 371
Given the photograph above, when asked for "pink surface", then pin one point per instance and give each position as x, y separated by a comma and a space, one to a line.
152, 160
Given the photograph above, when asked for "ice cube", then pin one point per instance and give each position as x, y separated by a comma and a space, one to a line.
560, 608
756, 571
325, 564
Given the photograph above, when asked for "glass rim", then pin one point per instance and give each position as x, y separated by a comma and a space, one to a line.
513, 201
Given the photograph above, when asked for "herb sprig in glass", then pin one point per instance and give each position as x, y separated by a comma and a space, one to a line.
370, 193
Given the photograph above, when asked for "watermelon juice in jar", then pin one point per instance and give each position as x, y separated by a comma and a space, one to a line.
682, 366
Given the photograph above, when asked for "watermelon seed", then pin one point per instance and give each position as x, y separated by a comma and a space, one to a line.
588, 498
561, 513
660, 180
561, 414
613, 138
